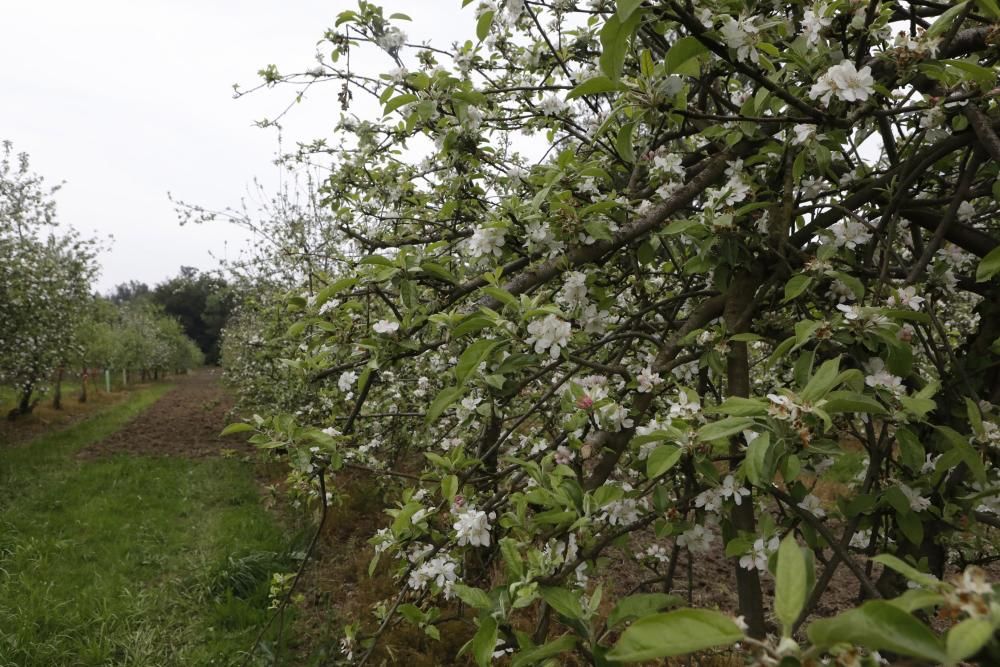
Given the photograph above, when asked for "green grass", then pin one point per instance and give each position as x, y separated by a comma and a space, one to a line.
130, 560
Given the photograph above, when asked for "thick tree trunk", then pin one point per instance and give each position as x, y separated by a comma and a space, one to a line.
24, 404
737, 316
57, 394
84, 377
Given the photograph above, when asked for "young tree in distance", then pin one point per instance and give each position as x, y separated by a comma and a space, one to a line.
45, 281
623, 281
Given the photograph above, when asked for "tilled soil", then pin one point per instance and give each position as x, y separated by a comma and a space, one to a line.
185, 421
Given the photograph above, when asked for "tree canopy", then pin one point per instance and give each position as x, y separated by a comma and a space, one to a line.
610, 274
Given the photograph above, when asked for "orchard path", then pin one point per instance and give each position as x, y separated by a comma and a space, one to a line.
184, 422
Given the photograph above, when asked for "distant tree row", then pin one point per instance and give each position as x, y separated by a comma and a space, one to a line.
51, 324
200, 302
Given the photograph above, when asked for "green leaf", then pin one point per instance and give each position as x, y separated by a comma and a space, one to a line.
822, 381
983, 77
474, 597
791, 585
879, 626
796, 285
394, 104
449, 487
512, 557
989, 266
967, 638
538, 654
855, 285
236, 428
674, 633
738, 406
723, 428
563, 601
851, 401
471, 357
756, 465
683, 57
595, 86
680, 226
623, 143
626, 7
990, 8
945, 20
333, 289
907, 570
615, 37
641, 604
975, 416
438, 271
445, 397
911, 452
917, 598
662, 459
472, 324
485, 641
483, 25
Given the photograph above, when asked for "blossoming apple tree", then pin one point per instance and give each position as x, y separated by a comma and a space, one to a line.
621, 281
44, 281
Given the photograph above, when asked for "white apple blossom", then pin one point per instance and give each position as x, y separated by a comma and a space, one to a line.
756, 559
385, 326
346, 381
647, 380
850, 234
487, 241
814, 21
392, 39
472, 527
687, 405
439, 570
729, 490
879, 377
845, 82
813, 505
551, 105
549, 333
741, 36
697, 539
860, 539
966, 211
574, 290
657, 553
906, 297
804, 132
918, 503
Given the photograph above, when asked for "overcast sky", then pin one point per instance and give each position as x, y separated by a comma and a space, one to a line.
125, 100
